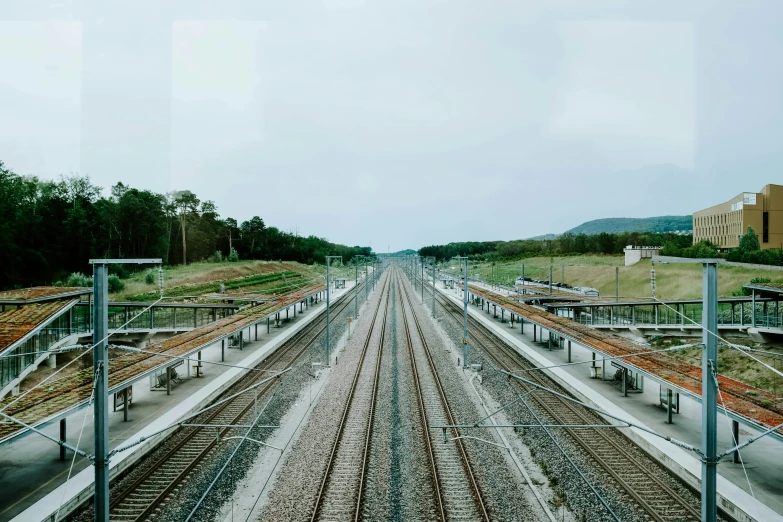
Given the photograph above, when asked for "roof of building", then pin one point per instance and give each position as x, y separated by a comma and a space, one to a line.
759, 408
62, 395
37, 294
16, 324
772, 288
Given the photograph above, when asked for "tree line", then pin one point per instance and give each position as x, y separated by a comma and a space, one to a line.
51, 229
748, 251
566, 244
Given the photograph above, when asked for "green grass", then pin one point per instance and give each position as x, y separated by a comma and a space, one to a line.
250, 283
673, 280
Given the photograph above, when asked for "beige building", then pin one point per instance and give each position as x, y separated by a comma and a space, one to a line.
724, 224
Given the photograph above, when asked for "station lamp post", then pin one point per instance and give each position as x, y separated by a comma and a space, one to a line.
100, 356
328, 293
465, 317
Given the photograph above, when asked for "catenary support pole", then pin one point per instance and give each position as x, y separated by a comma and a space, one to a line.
617, 283
433, 287
465, 319
328, 357
550, 278
101, 406
328, 297
709, 406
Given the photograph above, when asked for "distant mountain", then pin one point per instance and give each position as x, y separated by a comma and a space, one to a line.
407, 252
620, 225
545, 236
651, 224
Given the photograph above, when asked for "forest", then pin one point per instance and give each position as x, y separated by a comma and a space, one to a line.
565, 244
50, 229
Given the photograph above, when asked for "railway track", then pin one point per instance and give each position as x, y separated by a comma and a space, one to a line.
145, 495
606, 447
451, 470
342, 486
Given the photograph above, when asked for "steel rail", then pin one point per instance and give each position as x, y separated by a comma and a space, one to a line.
371, 418
325, 480
478, 497
512, 359
303, 339
423, 418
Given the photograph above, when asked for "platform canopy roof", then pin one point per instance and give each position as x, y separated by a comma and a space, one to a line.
766, 289
40, 294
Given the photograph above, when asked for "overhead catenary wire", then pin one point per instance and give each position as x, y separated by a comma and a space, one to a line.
725, 342
610, 358
184, 358
21, 396
78, 442
228, 460
197, 413
734, 440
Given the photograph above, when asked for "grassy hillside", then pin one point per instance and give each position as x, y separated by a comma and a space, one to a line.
201, 278
651, 224
673, 280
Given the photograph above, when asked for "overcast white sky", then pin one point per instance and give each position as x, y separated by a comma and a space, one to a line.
402, 123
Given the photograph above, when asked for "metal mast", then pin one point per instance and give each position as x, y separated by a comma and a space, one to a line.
101, 406
465, 316
709, 390
100, 356
328, 295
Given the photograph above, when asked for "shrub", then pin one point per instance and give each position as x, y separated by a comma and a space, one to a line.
217, 257
120, 270
78, 279
115, 284
149, 278
233, 257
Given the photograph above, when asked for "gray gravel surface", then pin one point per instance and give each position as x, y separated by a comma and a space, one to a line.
398, 482
569, 486
296, 487
398, 478
501, 488
182, 501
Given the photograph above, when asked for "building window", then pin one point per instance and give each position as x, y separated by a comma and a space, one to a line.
765, 227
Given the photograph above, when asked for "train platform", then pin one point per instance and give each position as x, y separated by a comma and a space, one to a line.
47, 404
765, 503
32, 474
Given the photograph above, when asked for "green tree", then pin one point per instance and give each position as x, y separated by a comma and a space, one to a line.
253, 232
186, 204
749, 242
